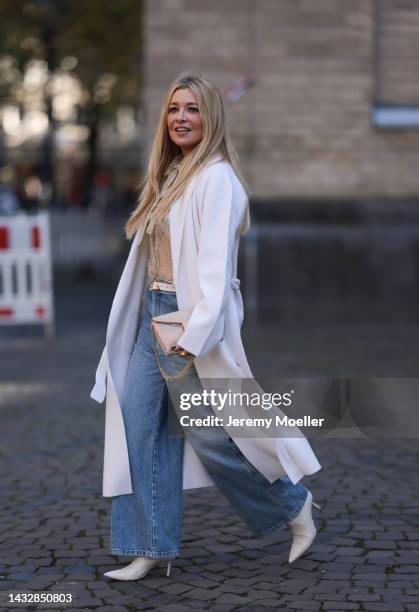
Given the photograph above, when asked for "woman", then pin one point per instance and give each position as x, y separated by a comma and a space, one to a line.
186, 228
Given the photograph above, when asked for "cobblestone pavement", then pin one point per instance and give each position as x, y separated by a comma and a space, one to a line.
54, 528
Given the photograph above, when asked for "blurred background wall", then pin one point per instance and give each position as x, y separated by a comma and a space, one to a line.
308, 127
322, 101
323, 106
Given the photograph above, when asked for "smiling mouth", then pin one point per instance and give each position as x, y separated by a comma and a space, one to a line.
182, 130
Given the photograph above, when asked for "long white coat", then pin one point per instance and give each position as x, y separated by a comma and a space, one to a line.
204, 248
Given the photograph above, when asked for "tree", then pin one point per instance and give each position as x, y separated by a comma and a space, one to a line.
105, 40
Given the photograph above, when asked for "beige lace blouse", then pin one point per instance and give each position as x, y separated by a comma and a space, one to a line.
160, 260
160, 256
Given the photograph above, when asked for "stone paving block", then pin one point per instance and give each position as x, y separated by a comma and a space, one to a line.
294, 586
264, 585
103, 560
176, 588
237, 573
77, 568
357, 562
388, 592
147, 582
300, 604
119, 599
407, 569
256, 595
349, 551
136, 589
113, 609
211, 576
231, 598
176, 607
342, 605
19, 576
323, 596
380, 544
274, 573
383, 607
363, 597
197, 581
226, 587
216, 567
99, 591
41, 582
191, 569
46, 571
85, 603
80, 576
271, 603
336, 567
196, 604
321, 557
250, 580
201, 594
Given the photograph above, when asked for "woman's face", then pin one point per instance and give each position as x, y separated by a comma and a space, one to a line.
184, 120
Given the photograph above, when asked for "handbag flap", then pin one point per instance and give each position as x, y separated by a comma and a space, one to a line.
179, 316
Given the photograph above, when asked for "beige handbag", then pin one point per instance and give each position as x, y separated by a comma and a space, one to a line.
167, 329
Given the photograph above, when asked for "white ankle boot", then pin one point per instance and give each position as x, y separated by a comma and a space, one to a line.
303, 529
138, 568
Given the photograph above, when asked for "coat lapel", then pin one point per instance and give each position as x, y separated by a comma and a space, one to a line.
177, 217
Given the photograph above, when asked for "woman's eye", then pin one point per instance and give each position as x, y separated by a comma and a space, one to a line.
191, 108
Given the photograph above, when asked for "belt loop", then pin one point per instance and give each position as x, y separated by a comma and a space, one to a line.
162, 285
235, 283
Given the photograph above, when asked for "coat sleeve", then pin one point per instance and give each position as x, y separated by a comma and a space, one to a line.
205, 327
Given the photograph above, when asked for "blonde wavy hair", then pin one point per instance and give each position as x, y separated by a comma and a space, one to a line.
215, 141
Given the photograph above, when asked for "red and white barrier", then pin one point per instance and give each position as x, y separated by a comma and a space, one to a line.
26, 292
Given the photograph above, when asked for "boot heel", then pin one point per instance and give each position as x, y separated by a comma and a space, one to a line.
169, 567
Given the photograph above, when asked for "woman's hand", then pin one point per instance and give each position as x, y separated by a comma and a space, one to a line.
179, 350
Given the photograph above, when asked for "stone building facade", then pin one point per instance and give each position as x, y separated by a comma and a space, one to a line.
305, 129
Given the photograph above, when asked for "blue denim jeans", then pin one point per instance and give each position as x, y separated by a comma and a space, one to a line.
148, 522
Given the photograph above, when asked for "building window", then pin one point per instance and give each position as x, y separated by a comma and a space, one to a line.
396, 65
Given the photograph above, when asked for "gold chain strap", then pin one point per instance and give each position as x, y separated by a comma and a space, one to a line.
168, 376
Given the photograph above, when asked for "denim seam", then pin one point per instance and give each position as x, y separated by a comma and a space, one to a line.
154, 312
153, 470
145, 553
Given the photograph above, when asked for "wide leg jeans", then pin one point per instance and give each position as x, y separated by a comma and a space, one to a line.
148, 522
